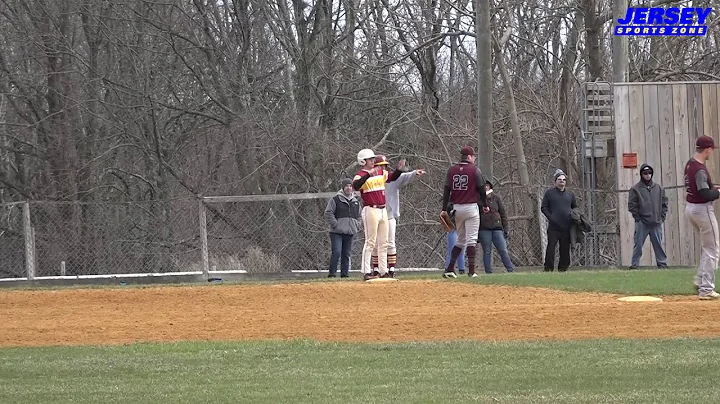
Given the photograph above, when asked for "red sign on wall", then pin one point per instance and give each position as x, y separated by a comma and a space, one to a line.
629, 160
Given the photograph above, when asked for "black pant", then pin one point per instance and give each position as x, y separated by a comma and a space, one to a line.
555, 236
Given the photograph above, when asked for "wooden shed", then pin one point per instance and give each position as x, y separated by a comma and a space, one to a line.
659, 122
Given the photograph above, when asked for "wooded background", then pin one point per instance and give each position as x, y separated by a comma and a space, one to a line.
148, 101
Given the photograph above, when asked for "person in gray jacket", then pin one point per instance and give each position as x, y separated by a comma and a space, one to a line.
342, 214
392, 199
649, 206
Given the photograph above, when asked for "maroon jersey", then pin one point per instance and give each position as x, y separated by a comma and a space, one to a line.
691, 186
462, 178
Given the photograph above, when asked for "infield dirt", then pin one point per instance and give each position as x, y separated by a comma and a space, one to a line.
409, 310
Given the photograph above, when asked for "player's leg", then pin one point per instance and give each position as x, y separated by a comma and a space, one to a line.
472, 227
392, 248
451, 240
458, 247
704, 217
690, 216
370, 225
382, 241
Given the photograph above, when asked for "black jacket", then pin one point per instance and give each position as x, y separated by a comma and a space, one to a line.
580, 225
557, 207
496, 218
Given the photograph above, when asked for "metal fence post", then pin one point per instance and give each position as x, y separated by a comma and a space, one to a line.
204, 239
29, 242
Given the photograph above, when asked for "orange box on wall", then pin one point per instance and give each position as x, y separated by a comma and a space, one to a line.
629, 160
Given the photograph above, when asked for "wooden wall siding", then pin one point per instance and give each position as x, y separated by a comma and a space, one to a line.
621, 105
659, 122
684, 146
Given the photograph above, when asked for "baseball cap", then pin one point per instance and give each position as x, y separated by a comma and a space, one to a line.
467, 151
704, 142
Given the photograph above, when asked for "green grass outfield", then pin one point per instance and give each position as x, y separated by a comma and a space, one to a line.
601, 371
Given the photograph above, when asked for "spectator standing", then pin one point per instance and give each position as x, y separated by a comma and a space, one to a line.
494, 230
649, 206
342, 215
557, 206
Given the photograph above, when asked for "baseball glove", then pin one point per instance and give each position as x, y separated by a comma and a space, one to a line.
445, 222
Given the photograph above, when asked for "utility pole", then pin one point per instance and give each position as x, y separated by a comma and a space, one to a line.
484, 87
619, 46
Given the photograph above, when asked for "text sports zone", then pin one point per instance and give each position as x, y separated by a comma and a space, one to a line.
659, 21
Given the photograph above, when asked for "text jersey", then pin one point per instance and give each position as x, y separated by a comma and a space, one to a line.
462, 180
372, 191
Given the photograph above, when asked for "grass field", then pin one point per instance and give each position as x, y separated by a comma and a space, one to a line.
301, 371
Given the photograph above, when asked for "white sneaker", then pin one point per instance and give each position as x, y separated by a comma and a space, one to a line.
475, 275
712, 296
449, 275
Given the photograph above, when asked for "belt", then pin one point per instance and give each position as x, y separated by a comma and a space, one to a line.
376, 206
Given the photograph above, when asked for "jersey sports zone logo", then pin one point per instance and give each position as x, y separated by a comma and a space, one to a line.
659, 21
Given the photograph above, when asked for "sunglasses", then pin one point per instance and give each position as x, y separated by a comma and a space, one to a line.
561, 179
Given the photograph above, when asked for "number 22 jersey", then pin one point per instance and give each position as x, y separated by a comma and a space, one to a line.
464, 179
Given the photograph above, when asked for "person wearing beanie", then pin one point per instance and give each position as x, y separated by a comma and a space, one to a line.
557, 206
342, 215
649, 206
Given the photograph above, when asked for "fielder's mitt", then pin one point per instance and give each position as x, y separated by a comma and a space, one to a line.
446, 223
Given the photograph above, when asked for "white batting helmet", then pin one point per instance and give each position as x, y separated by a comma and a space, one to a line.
363, 155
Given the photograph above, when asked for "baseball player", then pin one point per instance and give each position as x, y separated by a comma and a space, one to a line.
700, 195
370, 181
465, 188
392, 195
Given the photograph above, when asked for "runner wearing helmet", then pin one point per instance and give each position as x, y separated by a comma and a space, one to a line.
370, 181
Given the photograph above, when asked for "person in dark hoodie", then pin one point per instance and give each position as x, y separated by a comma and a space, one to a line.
494, 230
649, 206
557, 206
342, 214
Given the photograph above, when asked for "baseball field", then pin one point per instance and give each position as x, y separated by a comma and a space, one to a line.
526, 337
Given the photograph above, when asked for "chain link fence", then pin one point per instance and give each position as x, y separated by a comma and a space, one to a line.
268, 233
